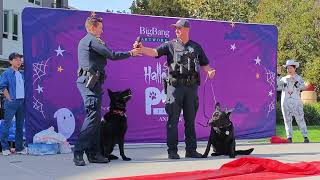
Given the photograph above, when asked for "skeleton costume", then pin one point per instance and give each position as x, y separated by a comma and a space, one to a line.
291, 103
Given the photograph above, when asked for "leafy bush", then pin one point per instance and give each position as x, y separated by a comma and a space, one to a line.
311, 73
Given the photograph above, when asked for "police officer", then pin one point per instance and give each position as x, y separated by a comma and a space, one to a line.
92, 55
184, 57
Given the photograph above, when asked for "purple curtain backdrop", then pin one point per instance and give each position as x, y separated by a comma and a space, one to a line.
244, 56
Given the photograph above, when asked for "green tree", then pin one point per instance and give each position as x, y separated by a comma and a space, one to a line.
170, 8
298, 22
311, 72
227, 10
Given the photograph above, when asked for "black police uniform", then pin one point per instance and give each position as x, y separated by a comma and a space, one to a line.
182, 91
92, 55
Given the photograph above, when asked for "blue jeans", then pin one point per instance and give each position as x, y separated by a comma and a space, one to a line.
13, 108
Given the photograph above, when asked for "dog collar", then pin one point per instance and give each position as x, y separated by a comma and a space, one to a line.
120, 112
224, 126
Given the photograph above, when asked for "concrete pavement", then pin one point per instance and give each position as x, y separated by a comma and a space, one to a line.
147, 159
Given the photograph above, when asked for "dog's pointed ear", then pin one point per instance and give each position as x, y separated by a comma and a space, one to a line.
128, 90
218, 107
229, 111
110, 93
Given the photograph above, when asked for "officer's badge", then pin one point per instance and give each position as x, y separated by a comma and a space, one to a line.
100, 41
191, 49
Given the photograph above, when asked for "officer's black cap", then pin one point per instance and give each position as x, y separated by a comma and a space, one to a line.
15, 55
181, 23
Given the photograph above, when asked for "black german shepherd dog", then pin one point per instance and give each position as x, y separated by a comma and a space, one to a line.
114, 124
222, 135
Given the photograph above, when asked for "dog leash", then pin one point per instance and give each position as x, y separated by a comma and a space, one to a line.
204, 102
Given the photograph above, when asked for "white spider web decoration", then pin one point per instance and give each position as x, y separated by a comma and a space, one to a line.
39, 69
271, 80
271, 107
270, 77
37, 105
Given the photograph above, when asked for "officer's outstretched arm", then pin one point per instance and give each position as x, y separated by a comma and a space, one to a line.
149, 51
102, 49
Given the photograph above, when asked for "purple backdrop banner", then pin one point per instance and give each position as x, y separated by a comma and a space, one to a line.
244, 56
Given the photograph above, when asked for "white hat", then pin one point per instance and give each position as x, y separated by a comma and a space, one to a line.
291, 62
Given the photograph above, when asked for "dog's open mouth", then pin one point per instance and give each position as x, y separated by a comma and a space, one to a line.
220, 120
128, 96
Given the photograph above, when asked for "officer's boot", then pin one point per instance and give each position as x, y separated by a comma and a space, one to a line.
173, 155
193, 154
78, 159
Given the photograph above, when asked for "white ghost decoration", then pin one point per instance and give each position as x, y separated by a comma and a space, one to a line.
65, 121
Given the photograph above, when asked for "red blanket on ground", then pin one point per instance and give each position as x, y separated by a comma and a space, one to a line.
278, 140
245, 168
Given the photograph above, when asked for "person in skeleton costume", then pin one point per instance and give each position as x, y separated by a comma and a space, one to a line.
291, 103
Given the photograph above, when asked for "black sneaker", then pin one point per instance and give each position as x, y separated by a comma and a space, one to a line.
78, 160
289, 140
173, 156
98, 158
193, 154
306, 140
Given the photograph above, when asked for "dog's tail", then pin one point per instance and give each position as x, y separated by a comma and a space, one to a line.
203, 125
244, 152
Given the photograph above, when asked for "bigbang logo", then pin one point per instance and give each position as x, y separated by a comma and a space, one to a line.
153, 34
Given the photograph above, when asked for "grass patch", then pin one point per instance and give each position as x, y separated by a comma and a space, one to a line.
313, 133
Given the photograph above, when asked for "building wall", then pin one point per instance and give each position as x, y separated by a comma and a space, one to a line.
8, 44
16, 7
48, 3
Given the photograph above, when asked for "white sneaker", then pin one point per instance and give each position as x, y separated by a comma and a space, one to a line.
23, 152
6, 152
